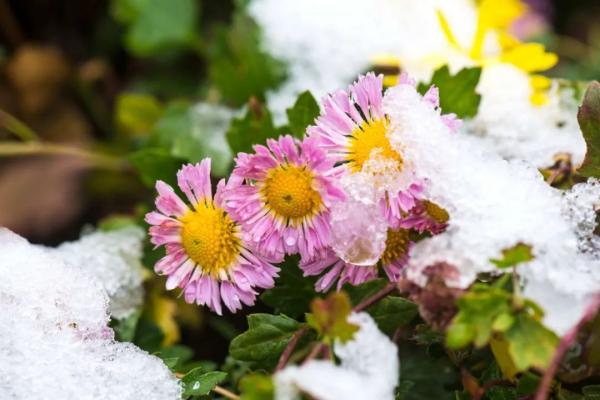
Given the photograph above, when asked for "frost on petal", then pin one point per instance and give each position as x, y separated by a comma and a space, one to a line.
56, 342
493, 204
369, 369
114, 259
358, 228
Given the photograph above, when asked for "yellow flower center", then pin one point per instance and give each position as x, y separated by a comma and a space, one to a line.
210, 238
396, 245
436, 212
288, 190
369, 136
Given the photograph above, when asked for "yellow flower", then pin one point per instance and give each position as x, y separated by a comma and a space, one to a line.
497, 16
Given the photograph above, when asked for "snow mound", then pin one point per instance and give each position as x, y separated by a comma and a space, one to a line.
114, 259
56, 343
369, 369
493, 205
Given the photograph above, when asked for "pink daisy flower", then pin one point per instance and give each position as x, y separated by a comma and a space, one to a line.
392, 261
207, 255
283, 196
426, 216
353, 128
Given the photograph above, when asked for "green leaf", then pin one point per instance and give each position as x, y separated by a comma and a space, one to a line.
530, 344
478, 310
238, 67
192, 135
589, 122
254, 128
125, 328
265, 339
154, 26
330, 317
389, 313
175, 356
393, 312
302, 114
513, 256
292, 292
155, 164
257, 387
457, 92
116, 222
430, 377
591, 392
136, 113
198, 382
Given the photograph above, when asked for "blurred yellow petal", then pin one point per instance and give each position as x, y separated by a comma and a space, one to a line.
385, 59
497, 15
540, 82
447, 30
539, 85
530, 57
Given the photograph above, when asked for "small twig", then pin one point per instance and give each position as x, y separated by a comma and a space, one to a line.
389, 288
17, 127
566, 342
316, 350
11, 149
289, 349
225, 393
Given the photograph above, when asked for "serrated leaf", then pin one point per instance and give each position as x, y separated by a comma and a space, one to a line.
303, 113
457, 92
530, 344
198, 382
155, 164
254, 128
257, 387
513, 256
238, 66
330, 317
265, 339
478, 309
589, 123
292, 292
155, 25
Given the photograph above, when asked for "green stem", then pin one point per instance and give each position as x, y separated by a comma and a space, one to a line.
17, 127
12, 149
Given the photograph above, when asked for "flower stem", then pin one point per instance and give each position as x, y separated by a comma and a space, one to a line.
566, 342
17, 127
289, 349
12, 149
225, 393
389, 288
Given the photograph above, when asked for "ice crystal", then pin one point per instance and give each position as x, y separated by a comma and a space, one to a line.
56, 341
358, 227
369, 369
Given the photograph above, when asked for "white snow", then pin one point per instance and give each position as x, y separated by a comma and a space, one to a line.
369, 369
327, 43
56, 343
114, 258
493, 204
